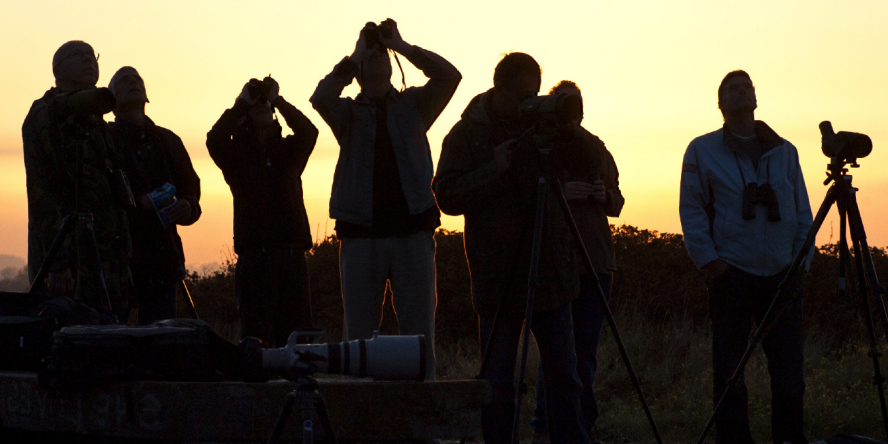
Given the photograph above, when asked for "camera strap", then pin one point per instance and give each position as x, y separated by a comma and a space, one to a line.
403, 79
740, 168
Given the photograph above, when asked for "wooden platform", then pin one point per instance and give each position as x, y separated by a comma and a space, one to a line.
360, 410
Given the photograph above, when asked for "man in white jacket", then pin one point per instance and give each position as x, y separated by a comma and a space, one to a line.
745, 214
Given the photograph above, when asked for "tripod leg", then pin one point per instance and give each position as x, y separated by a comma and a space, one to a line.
187, 294
776, 308
599, 295
856, 222
844, 264
89, 250
321, 407
67, 225
306, 402
866, 274
532, 283
286, 411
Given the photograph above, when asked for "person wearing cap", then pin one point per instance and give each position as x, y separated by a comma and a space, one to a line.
744, 243
263, 169
62, 126
153, 156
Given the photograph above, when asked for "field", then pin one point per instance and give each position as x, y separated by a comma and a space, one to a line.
659, 301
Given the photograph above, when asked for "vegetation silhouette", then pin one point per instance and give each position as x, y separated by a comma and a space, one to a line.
659, 300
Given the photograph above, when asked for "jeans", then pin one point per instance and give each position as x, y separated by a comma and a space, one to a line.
588, 318
735, 299
408, 263
553, 332
272, 291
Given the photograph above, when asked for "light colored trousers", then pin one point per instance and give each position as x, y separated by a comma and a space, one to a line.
408, 264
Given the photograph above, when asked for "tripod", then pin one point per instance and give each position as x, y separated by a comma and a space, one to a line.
309, 399
545, 181
85, 237
843, 194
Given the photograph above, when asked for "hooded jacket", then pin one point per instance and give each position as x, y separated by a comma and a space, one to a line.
410, 114
500, 210
265, 179
714, 175
151, 155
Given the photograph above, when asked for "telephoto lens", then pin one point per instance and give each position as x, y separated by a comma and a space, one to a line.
383, 358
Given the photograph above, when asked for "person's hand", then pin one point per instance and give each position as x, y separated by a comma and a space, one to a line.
599, 192
145, 202
396, 43
275, 91
502, 153
245, 94
180, 212
577, 190
61, 283
715, 268
362, 52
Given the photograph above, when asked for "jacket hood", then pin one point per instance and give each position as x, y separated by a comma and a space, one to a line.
476, 111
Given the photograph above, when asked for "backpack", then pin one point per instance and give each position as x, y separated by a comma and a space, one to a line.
170, 350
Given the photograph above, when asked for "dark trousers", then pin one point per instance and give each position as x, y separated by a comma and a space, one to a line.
736, 298
155, 297
553, 332
588, 318
272, 293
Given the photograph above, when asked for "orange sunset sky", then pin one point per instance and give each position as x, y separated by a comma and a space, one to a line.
649, 71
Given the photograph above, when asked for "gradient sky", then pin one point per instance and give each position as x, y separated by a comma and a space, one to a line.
649, 71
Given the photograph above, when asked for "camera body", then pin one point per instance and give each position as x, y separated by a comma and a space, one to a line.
372, 31
755, 194
259, 89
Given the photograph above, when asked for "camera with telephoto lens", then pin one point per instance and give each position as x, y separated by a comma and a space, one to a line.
372, 32
383, 358
755, 194
258, 90
844, 145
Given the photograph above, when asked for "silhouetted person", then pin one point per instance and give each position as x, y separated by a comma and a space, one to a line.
745, 256
152, 156
271, 232
593, 196
491, 179
68, 119
382, 199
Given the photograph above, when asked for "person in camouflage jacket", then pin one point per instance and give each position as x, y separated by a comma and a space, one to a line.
66, 119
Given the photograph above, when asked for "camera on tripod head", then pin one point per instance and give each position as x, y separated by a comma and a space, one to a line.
844, 146
372, 31
552, 109
552, 117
